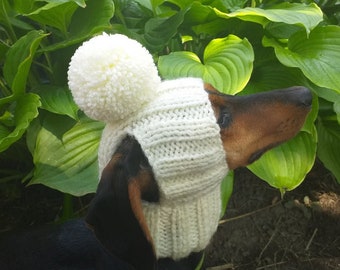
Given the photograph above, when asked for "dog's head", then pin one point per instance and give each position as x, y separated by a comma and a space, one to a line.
249, 126
253, 124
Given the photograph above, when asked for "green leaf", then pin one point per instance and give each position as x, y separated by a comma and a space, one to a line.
4, 8
3, 50
4, 132
182, 4
92, 19
230, 5
80, 3
200, 264
309, 125
270, 74
7, 119
317, 56
329, 145
145, 3
26, 109
19, 59
281, 30
86, 22
203, 20
133, 14
6, 17
56, 13
67, 163
337, 110
199, 14
307, 16
326, 93
227, 64
25, 6
285, 166
159, 31
58, 100
226, 190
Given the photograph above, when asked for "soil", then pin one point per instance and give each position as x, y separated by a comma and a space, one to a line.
262, 231
259, 230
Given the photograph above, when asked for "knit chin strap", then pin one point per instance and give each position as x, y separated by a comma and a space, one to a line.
180, 229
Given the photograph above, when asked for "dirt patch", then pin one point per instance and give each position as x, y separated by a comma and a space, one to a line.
259, 230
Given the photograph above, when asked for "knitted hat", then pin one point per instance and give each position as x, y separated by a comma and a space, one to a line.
114, 79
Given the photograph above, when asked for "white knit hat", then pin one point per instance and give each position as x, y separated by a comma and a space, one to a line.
176, 127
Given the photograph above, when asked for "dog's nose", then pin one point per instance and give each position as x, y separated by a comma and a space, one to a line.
302, 96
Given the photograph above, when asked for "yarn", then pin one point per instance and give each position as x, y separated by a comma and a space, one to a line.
179, 135
113, 79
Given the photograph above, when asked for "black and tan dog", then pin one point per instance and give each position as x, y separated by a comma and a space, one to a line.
250, 125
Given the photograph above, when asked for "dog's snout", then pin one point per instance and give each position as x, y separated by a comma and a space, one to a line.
302, 96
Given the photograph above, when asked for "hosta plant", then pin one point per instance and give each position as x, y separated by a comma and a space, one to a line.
238, 46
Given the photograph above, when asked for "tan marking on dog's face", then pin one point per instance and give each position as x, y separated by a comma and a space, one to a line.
256, 123
136, 187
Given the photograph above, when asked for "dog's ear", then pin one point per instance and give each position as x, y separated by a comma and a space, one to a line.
116, 215
253, 124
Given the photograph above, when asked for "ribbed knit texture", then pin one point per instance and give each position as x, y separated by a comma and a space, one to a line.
178, 133
114, 79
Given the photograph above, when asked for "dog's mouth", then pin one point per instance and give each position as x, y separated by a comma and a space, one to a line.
255, 156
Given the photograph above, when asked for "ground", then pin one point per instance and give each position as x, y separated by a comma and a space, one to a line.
259, 231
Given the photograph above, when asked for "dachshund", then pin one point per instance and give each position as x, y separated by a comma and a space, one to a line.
114, 234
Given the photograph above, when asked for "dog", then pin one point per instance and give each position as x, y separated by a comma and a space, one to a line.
114, 234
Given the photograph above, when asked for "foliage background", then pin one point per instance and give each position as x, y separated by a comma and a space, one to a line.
238, 46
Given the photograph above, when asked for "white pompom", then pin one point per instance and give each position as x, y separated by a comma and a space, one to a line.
111, 77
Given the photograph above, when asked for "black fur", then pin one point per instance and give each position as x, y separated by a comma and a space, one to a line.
70, 246
110, 213
111, 216
74, 246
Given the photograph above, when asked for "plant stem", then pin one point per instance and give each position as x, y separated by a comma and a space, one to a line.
67, 207
10, 29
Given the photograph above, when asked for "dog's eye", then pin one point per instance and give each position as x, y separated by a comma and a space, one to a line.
225, 118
